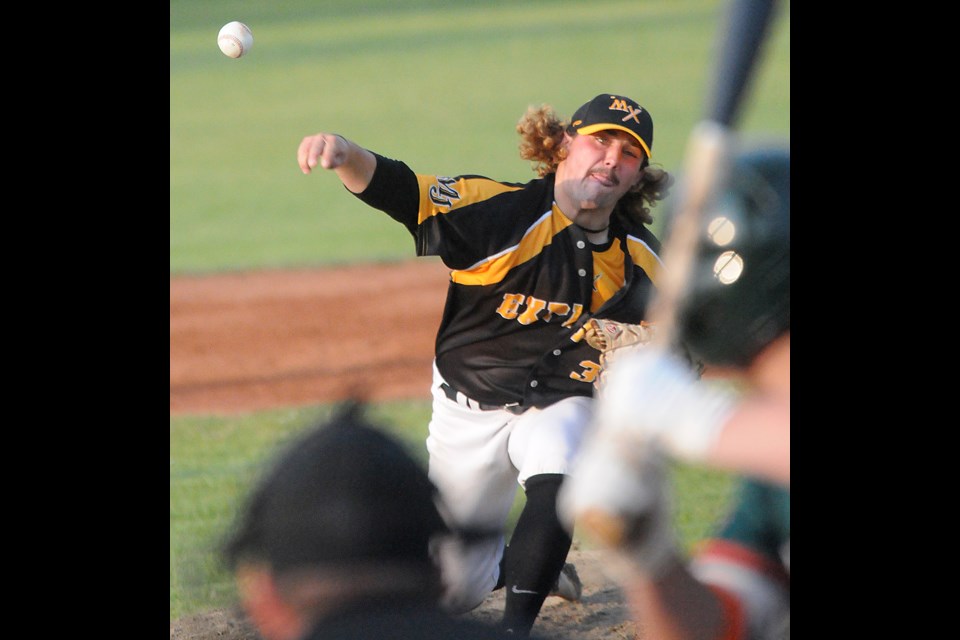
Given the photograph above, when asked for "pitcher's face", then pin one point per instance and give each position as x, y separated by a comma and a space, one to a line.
600, 167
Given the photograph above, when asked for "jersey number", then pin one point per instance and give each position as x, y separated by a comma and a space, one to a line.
589, 373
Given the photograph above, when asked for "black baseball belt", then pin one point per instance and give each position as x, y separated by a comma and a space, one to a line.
465, 401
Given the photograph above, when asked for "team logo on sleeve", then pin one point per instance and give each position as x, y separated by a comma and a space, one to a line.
443, 194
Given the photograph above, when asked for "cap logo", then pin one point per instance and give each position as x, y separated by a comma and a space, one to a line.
621, 105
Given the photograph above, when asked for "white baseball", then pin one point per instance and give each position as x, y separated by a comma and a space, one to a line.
235, 39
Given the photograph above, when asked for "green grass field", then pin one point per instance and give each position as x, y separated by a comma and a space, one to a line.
439, 84
214, 461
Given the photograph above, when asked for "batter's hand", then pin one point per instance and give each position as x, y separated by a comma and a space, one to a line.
619, 496
329, 150
652, 396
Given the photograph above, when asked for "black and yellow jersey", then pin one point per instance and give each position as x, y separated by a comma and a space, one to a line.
523, 281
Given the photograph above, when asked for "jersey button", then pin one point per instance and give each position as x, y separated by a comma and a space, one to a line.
556, 352
581, 244
582, 272
534, 383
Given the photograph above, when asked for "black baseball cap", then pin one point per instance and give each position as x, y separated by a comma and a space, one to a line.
342, 493
609, 111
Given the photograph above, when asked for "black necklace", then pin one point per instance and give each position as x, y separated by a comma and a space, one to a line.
593, 230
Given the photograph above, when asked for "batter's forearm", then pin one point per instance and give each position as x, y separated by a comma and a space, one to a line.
755, 440
675, 606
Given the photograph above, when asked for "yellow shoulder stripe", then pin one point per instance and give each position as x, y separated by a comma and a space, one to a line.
645, 257
440, 195
496, 267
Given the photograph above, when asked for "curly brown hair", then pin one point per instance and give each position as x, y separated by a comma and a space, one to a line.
541, 137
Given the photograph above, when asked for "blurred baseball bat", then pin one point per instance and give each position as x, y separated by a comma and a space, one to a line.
706, 164
705, 169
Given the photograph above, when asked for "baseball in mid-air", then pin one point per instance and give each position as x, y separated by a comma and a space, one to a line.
235, 39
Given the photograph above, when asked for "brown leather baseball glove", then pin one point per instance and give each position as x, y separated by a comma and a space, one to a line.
614, 338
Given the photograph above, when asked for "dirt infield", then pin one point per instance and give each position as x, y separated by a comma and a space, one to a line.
249, 341
600, 614
259, 340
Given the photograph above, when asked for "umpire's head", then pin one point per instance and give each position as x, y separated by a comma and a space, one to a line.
344, 513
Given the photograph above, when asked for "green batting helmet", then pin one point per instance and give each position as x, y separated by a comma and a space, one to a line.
739, 295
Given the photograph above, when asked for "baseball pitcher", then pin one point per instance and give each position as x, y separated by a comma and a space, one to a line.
531, 265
